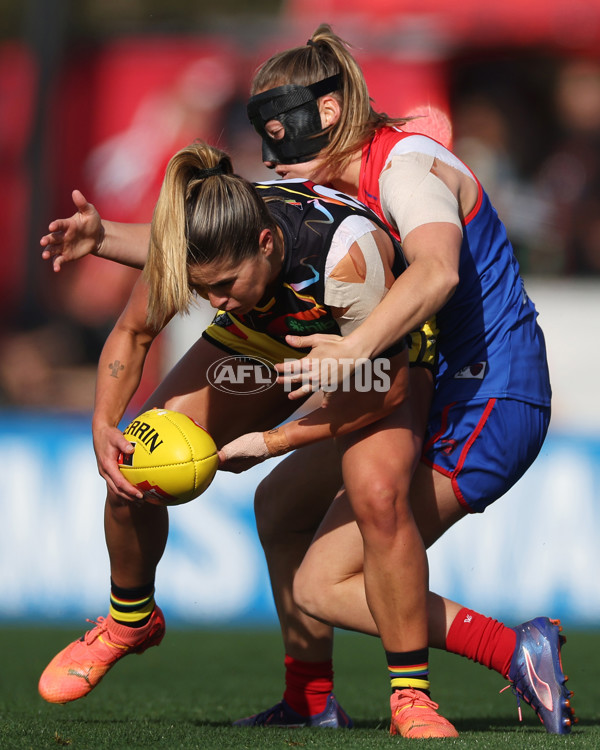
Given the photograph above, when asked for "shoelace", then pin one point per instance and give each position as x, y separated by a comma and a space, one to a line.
573, 719
100, 627
414, 697
517, 696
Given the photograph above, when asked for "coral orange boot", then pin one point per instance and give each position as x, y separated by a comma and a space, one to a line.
79, 667
414, 715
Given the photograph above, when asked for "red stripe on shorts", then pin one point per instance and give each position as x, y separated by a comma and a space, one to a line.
453, 475
463, 456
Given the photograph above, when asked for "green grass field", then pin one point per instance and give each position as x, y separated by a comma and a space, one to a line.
185, 694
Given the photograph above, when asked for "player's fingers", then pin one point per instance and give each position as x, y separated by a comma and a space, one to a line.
326, 400
109, 469
291, 379
285, 367
313, 340
125, 489
303, 391
122, 485
112, 487
80, 201
131, 492
57, 228
123, 445
50, 241
55, 256
293, 370
299, 342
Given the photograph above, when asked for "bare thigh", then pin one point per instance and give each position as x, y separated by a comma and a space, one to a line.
434, 504
224, 415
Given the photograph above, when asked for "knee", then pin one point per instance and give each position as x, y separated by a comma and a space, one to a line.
124, 512
381, 503
116, 505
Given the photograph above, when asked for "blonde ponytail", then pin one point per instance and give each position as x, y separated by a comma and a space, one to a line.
204, 213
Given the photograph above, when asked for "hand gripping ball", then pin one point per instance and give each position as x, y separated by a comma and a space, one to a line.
174, 459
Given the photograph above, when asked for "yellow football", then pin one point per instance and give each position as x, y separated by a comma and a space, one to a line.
175, 459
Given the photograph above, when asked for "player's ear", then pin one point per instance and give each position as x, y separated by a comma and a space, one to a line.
330, 110
265, 242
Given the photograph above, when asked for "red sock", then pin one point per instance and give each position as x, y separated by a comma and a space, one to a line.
482, 639
307, 685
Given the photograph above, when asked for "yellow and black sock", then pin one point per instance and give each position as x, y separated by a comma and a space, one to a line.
132, 607
409, 669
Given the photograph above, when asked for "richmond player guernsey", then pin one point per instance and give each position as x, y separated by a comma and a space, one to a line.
331, 262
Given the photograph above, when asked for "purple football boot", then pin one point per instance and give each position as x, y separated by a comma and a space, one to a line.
281, 715
536, 674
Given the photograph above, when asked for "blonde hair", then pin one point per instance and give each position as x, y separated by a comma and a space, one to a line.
325, 55
204, 213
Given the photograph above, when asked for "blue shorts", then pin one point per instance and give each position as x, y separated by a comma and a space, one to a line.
484, 447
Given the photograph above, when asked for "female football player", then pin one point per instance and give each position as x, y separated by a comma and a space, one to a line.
272, 259
491, 404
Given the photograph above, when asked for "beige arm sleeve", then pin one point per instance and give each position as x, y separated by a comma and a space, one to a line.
355, 292
411, 195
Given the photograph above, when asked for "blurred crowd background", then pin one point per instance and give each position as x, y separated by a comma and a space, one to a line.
98, 94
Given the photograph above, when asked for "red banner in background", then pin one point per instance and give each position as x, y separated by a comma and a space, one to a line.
143, 99
567, 24
398, 87
17, 89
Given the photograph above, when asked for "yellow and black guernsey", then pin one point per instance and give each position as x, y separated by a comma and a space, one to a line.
331, 263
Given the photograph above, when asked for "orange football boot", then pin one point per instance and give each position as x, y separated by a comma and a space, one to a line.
414, 715
79, 667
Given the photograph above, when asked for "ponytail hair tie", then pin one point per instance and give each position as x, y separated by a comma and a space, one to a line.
310, 43
201, 174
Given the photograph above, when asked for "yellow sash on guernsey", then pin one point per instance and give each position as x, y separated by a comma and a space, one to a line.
255, 344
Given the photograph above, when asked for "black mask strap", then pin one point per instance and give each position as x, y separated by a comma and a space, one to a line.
270, 104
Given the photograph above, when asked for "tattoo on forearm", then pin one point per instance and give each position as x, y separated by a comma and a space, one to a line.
115, 368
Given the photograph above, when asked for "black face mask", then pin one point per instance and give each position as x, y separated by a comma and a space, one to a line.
296, 108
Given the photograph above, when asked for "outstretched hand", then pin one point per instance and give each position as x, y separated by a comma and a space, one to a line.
73, 238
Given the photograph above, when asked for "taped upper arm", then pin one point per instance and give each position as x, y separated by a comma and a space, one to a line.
411, 195
358, 271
